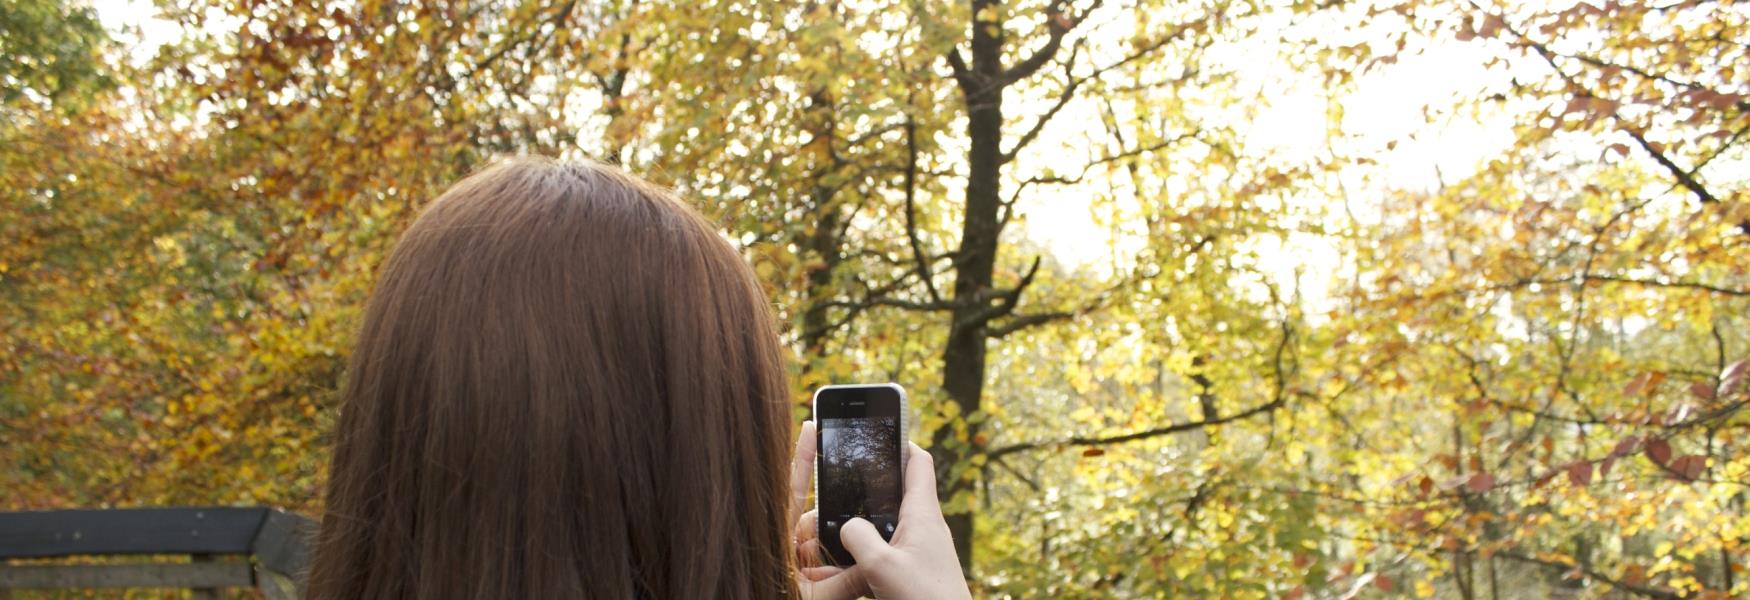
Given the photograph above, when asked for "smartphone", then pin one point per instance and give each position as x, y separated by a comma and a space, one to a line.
860, 466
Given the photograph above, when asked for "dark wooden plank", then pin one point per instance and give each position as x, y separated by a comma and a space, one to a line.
191, 575
283, 544
129, 531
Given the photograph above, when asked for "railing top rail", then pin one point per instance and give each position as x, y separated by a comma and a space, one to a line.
280, 540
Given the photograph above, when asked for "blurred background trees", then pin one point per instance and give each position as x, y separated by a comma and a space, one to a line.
1203, 298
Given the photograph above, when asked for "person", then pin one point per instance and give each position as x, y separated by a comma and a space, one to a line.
568, 384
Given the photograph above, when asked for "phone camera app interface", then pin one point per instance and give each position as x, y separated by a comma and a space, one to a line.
860, 471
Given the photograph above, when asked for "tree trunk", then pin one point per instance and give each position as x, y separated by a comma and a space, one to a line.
963, 358
823, 245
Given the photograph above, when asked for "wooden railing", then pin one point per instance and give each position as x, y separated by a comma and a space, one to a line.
263, 548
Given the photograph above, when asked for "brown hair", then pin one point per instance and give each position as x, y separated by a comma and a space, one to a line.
566, 384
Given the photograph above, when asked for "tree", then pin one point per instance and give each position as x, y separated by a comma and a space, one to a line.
50, 53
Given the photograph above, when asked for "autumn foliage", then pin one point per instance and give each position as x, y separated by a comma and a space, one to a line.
1264, 370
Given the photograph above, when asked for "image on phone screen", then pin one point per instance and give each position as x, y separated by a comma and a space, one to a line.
860, 471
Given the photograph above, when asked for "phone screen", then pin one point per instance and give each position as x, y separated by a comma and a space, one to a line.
859, 461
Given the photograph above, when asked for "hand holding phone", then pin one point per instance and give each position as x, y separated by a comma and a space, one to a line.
916, 558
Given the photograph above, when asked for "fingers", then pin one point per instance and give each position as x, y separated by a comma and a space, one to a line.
806, 528
801, 469
920, 487
808, 550
864, 543
810, 554
844, 585
820, 573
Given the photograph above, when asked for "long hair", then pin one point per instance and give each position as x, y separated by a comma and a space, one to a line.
567, 384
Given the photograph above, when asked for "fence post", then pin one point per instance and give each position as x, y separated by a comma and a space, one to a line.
203, 593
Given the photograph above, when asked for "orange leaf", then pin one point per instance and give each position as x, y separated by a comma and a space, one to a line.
1480, 482
1653, 380
1640, 381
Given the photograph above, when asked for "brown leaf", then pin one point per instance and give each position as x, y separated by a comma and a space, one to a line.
1689, 467
1384, 583
1658, 451
1491, 25
1577, 104
1626, 446
1648, 382
1605, 465
1702, 389
1092, 452
1426, 485
1480, 482
1580, 473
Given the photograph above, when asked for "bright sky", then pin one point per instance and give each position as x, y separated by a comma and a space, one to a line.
1386, 105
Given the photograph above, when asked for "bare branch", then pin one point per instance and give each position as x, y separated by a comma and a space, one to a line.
1086, 168
962, 73
1072, 83
911, 228
1006, 303
1653, 283
1063, 98
1057, 25
1592, 574
1141, 435
1685, 178
1019, 322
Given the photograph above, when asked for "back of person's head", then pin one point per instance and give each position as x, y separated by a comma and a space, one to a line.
566, 384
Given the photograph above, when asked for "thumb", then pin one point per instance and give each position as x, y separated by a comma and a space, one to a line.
860, 539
